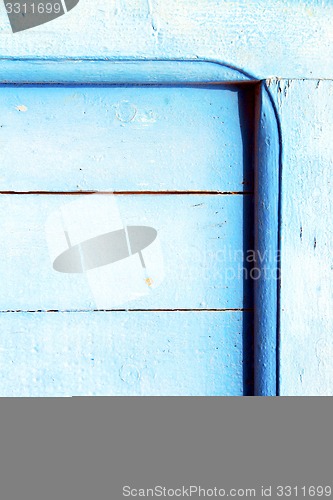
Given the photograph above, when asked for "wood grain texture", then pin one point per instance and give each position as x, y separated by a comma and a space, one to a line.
126, 139
119, 353
306, 111
204, 239
272, 37
281, 37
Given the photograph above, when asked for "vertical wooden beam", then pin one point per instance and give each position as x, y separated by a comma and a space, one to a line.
266, 272
306, 351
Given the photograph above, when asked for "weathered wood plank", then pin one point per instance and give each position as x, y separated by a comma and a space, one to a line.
119, 353
284, 37
306, 362
266, 227
126, 139
203, 239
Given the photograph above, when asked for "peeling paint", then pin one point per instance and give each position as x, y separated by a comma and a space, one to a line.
22, 108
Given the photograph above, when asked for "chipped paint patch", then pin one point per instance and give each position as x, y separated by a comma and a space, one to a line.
149, 282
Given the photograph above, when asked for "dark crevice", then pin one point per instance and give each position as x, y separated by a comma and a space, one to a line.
120, 310
123, 193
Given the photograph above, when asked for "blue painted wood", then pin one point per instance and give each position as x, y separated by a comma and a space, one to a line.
126, 139
195, 293
306, 313
118, 70
267, 275
240, 33
169, 353
201, 238
286, 37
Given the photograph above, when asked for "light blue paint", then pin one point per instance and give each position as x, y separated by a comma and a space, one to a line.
192, 282
305, 308
201, 238
168, 353
288, 38
118, 70
125, 139
267, 244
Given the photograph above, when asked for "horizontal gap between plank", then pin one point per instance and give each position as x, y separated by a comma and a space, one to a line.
124, 193
122, 310
132, 84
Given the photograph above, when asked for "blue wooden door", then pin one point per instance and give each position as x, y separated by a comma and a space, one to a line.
86, 47
85, 161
